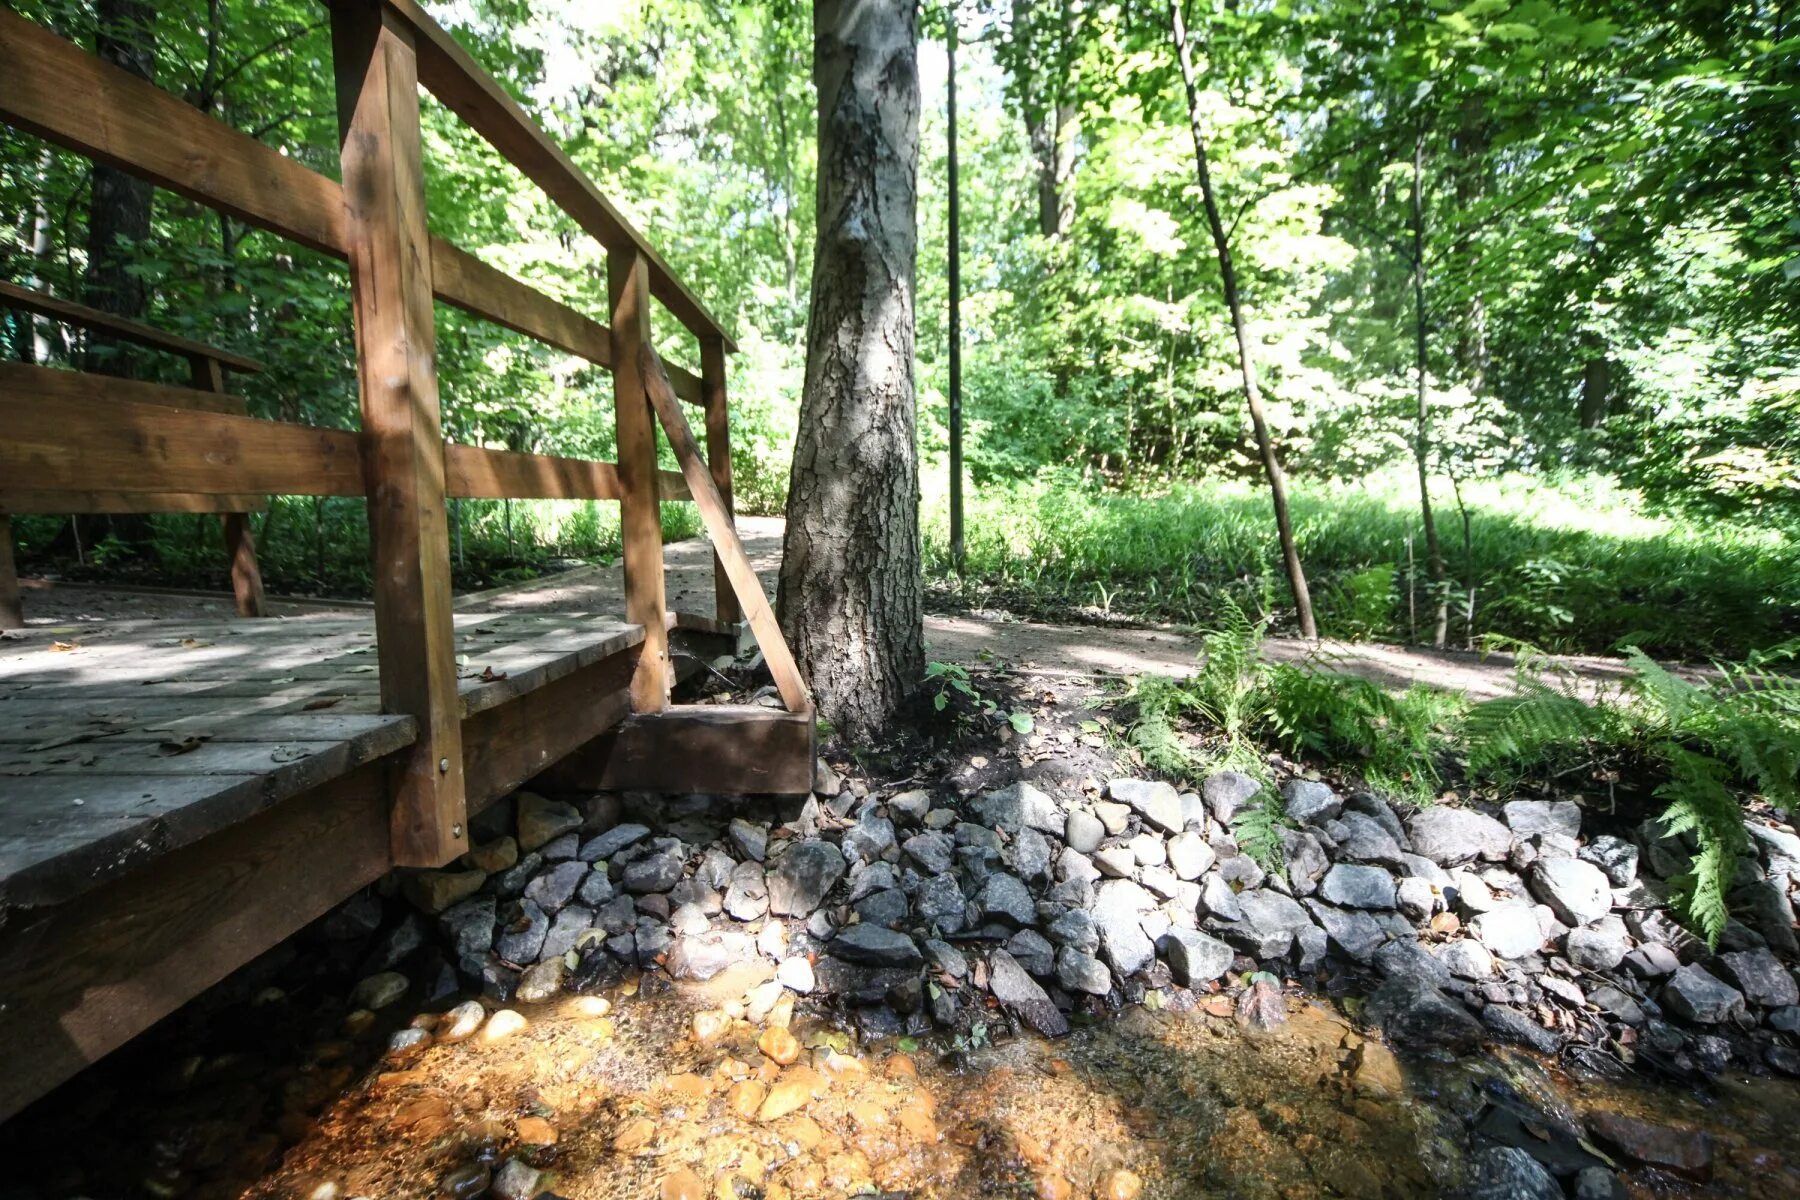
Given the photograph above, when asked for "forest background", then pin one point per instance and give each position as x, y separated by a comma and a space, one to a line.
1548, 252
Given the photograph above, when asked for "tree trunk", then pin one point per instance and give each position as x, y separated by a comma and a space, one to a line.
1265, 444
119, 210
955, 283
1596, 390
851, 589
1434, 551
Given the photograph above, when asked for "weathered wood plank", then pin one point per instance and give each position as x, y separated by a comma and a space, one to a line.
53, 387
12, 501
640, 520
83, 977
135, 448
724, 536
455, 78
60, 92
474, 286
729, 749
474, 471
718, 462
390, 277
69, 313
512, 742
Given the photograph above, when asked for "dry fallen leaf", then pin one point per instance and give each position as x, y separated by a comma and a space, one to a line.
314, 705
64, 646
183, 746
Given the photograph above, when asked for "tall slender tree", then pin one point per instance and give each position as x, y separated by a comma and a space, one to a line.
851, 584
1234, 302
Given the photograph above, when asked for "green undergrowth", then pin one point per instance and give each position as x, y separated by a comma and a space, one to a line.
1573, 565
1694, 754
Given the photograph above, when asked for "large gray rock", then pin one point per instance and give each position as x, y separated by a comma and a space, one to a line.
1404, 958
874, 946
1616, 858
1578, 892
1356, 934
1017, 990
1780, 849
1156, 802
1005, 898
1508, 1173
612, 841
1528, 818
1269, 923
1195, 958
557, 886
1599, 947
1218, 900
1083, 831
1310, 802
1451, 836
1358, 886
1020, 806
522, 937
933, 853
1075, 929
1413, 1013
751, 840
1119, 908
1696, 996
1510, 931
940, 903
1226, 792
1079, 971
801, 878
1761, 978
1361, 838
1189, 855
656, 872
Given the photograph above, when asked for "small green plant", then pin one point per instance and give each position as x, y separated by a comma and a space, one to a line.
1704, 746
949, 680
1398, 740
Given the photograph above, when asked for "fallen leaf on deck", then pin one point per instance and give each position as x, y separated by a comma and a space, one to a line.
489, 675
321, 702
62, 646
183, 746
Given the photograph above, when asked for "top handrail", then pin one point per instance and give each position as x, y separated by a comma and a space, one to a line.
451, 73
41, 304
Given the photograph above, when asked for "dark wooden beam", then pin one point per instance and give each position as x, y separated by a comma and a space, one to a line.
730, 749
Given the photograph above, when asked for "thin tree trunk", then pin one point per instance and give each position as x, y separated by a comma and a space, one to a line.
955, 268
851, 589
1434, 552
1265, 445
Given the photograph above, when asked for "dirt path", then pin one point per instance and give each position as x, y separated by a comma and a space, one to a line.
1066, 650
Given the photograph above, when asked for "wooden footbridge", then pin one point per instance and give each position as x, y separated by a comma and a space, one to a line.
177, 798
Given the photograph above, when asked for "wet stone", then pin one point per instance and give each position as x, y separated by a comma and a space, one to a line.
1018, 991
801, 878
1407, 959
1688, 1153
522, 937
1511, 1025
516, 1180
1079, 971
1414, 1013
617, 915
541, 981
874, 946
1508, 1173
461, 1022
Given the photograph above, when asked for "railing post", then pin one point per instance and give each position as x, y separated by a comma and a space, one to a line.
718, 461
396, 348
12, 611
640, 509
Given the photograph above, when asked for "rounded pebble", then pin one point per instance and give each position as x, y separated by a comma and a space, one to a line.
503, 1024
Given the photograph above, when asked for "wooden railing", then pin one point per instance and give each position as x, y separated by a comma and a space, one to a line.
375, 219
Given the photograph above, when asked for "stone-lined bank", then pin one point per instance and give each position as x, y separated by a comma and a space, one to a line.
911, 908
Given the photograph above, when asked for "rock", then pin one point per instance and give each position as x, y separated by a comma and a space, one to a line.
1306, 860
1156, 802
1600, 947
466, 1183
874, 946
802, 877
540, 820
1467, 958
1696, 996
1617, 1003
1509, 1024
1219, 901
516, 1180
868, 838
1195, 958
886, 907
1147, 848
910, 806
1119, 906
704, 955
493, 856
522, 938
460, 1023
1310, 802
1227, 791
750, 840
1075, 929
1021, 806
1189, 855
1016, 990
1116, 862
1652, 960
779, 1046
1510, 931
656, 872
470, 927
1160, 882
1767, 905
1358, 886
1031, 951
557, 886
1030, 855
595, 890
933, 853
796, 975
1357, 934
560, 849
1684, 1152
1078, 971
434, 891
1760, 977
1615, 857
1083, 831
541, 981
1508, 1173
747, 893
940, 904
1414, 1013
378, 991
1403, 958
1598, 1183
1785, 1020
1451, 836
503, 1024
1780, 849
1577, 892
684, 1184
1112, 817
1415, 897
1527, 818
565, 930
1005, 898
618, 838
1361, 838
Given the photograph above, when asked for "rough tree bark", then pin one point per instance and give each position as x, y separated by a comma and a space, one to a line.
1265, 443
119, 210
850, 592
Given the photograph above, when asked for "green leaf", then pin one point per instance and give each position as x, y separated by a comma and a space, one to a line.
1021, 721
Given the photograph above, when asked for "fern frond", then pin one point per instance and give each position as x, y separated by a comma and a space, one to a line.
1701, 803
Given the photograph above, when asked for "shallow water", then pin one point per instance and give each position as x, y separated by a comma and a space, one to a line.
618, 1096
